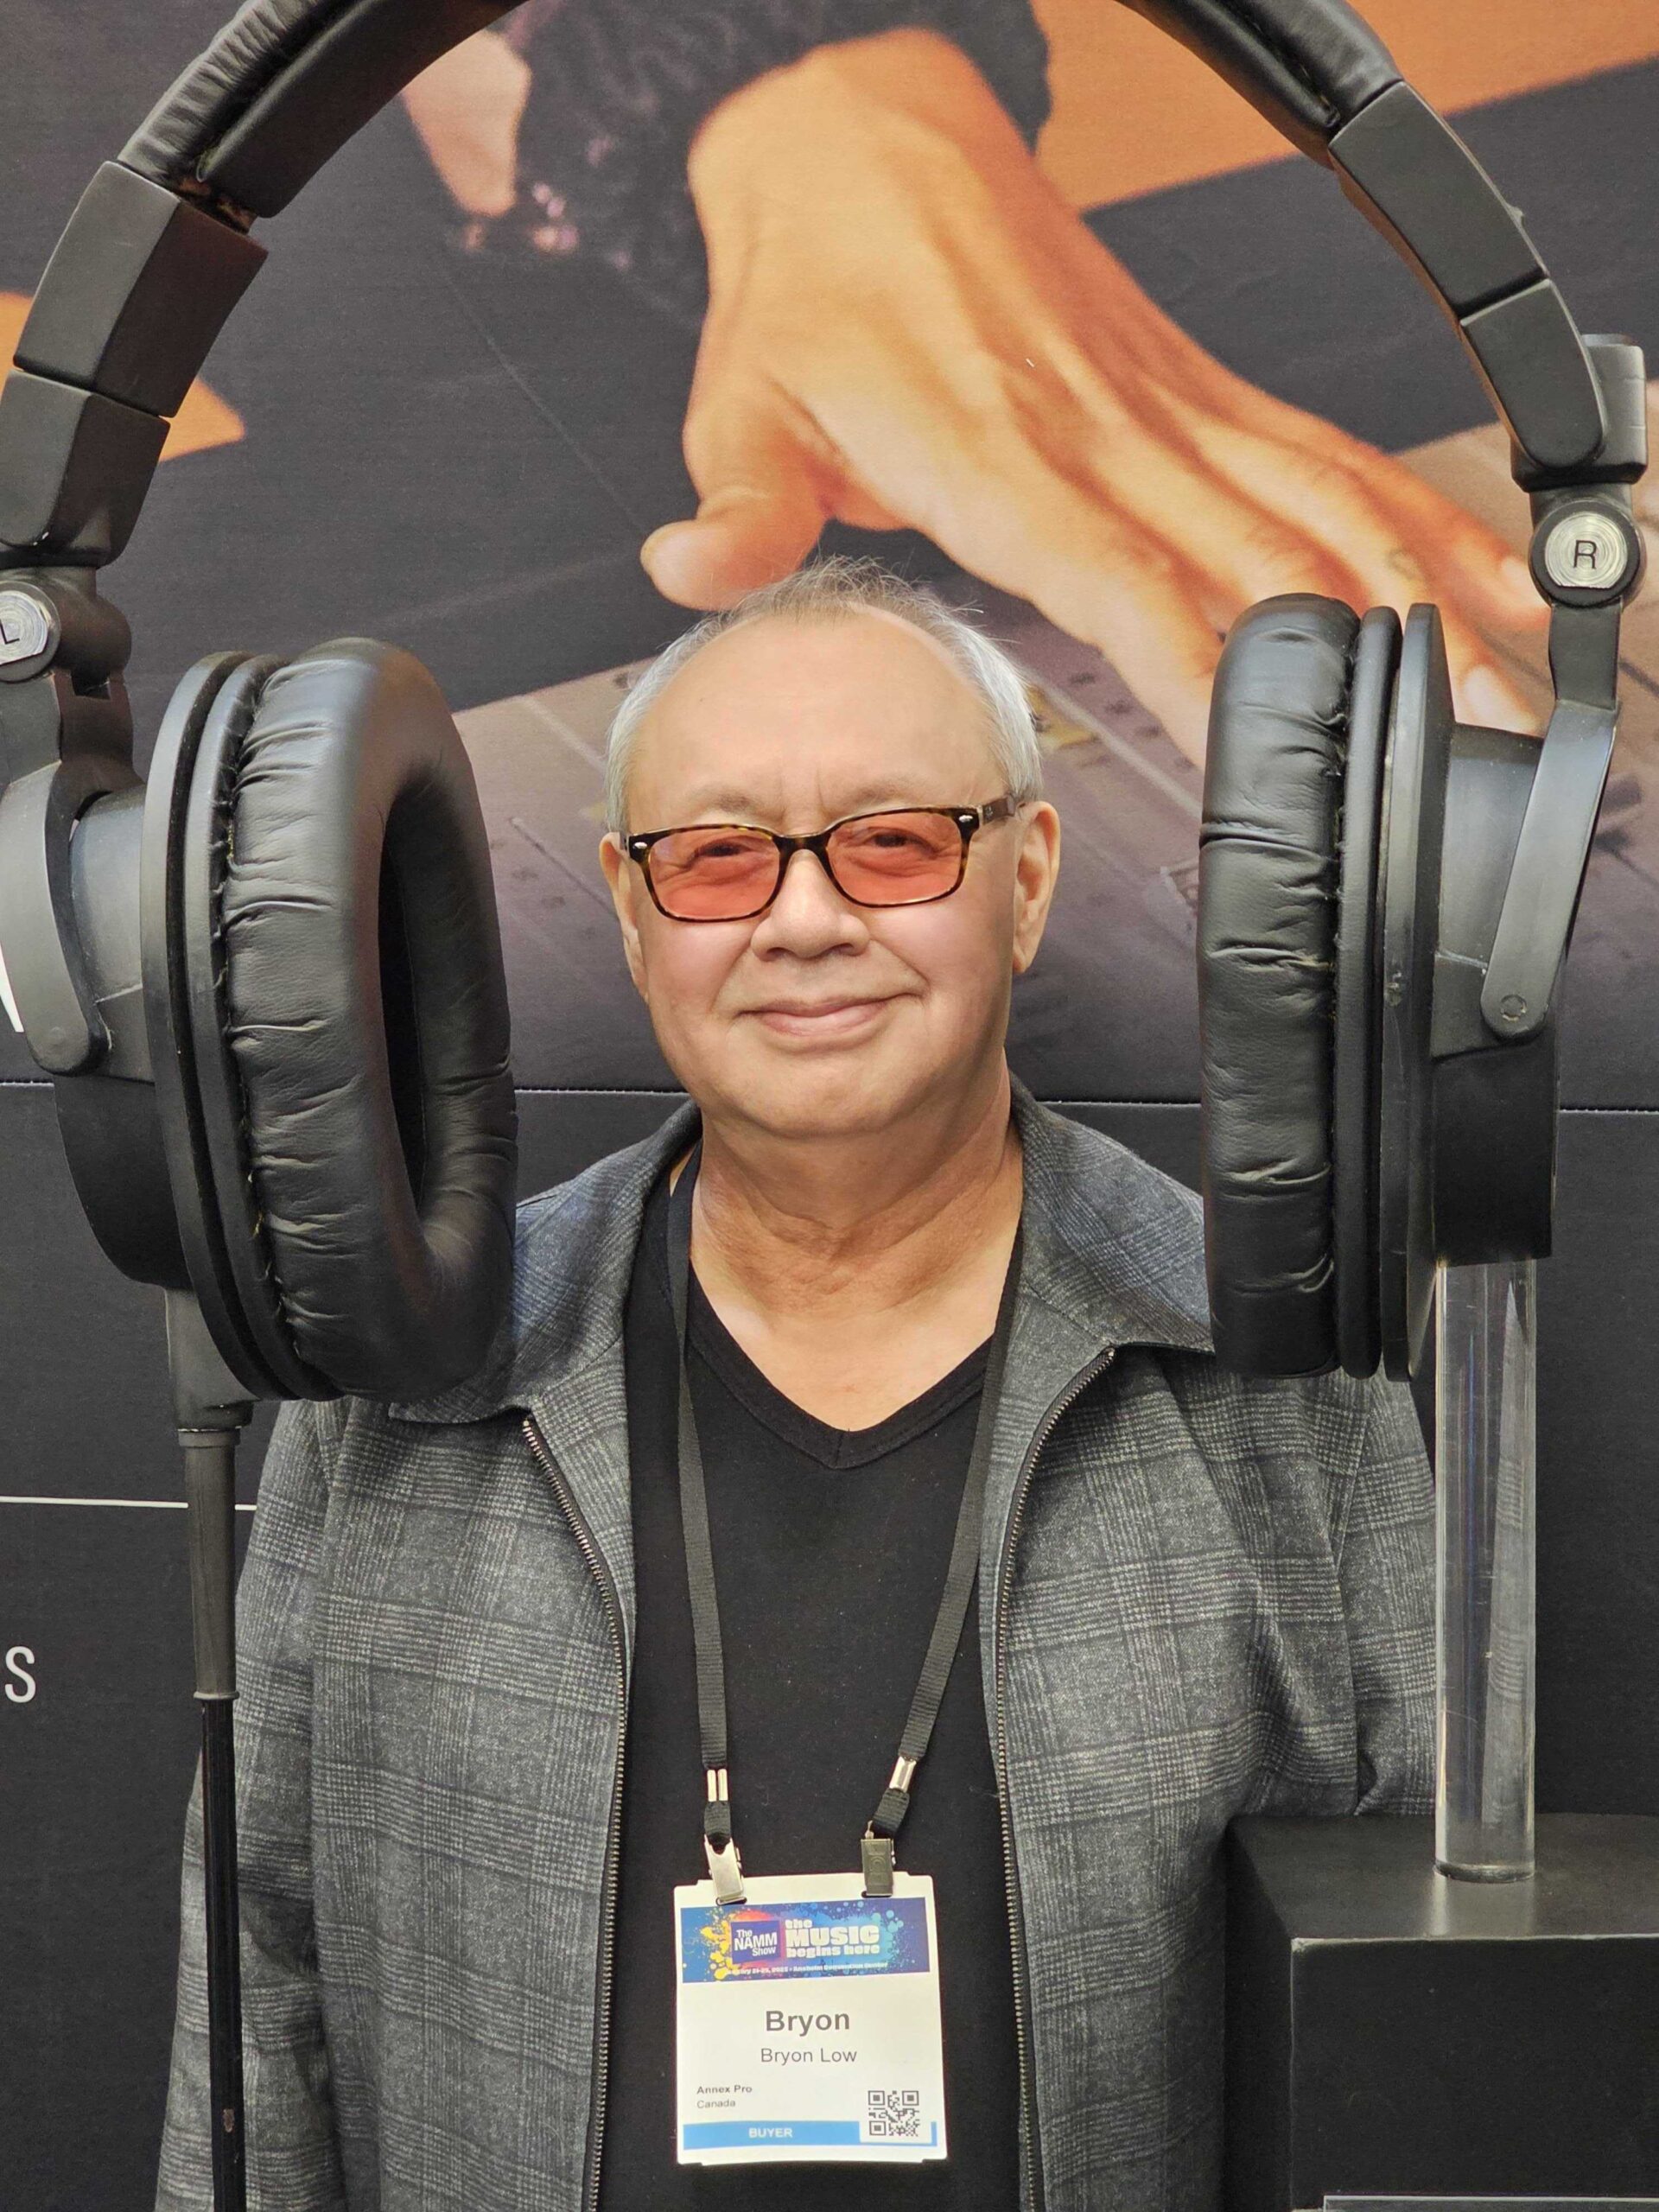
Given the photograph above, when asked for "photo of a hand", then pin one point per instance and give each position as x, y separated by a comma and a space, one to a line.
938, 341
908, 326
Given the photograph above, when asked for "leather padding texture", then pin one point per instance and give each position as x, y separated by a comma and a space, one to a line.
262, 70
1307, 65
284, 85
1268, 883
352, 772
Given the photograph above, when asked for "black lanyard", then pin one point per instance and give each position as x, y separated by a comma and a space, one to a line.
724, 1865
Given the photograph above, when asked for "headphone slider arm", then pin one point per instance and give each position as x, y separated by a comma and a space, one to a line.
1547, 873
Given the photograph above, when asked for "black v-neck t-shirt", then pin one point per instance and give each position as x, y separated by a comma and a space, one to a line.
830, 1548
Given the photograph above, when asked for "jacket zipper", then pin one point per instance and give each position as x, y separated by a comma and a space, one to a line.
602, 1576
1051, 1420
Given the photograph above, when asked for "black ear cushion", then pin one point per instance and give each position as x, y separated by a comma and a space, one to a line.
1267, 958
366, 1018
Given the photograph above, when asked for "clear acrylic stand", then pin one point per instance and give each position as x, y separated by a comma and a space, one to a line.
1485, 1482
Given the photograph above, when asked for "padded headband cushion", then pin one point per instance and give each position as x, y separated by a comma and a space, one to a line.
285, 84
1266, 932
366, 1018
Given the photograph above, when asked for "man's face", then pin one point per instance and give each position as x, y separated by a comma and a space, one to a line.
818, 1017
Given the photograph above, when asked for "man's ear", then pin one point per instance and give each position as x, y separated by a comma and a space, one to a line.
1035, 874
623, 878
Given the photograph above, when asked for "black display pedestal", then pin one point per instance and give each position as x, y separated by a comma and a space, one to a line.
1392, 2032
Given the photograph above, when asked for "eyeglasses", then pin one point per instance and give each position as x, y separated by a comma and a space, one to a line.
731, 871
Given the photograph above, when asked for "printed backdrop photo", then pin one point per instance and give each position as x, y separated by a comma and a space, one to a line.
609, 318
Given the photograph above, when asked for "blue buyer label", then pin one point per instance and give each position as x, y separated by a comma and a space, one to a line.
819, 1936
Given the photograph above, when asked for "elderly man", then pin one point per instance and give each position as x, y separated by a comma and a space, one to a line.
863, 1325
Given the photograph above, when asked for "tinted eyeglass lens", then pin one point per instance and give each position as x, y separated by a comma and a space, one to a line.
714, 874
896, 860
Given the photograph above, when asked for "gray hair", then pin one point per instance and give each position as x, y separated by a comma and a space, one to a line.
833, 591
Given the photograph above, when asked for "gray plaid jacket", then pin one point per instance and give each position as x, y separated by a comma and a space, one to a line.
1199, 1596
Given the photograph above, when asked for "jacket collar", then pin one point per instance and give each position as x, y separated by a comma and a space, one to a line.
1113, 1256
1112, 1246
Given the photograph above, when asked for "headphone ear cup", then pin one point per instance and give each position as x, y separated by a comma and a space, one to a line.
1267, 882
347, 1019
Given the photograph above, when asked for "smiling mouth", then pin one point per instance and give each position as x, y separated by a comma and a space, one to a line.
825, 1018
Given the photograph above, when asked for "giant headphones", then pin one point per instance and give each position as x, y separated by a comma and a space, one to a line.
269, 988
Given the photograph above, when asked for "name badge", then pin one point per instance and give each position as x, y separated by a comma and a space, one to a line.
808, 2023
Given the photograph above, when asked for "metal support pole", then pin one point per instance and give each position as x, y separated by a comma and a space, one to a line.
1485, 1480
210, 1495
211, 1409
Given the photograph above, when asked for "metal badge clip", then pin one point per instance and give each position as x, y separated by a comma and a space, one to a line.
876, 1850
725, 1866
726, 1872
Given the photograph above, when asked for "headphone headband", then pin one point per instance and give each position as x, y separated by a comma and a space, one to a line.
283, 87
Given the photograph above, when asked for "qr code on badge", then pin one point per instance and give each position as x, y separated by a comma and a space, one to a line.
894, 2114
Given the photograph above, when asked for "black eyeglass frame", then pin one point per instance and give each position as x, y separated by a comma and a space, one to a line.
967, 819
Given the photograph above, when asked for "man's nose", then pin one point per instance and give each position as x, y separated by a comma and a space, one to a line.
808, 915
